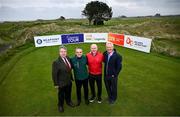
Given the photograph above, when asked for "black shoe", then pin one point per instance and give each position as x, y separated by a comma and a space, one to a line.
78, 103
99, 100
61, 109
87, 102
92, 99
111, 102
70, 104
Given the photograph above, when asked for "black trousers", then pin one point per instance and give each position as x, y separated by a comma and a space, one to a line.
111, 88
64, 94
79, 84
98, 80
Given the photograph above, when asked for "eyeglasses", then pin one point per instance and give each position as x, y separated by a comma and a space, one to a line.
78, 52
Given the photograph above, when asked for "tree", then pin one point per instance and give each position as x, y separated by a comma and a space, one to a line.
157, 15
122, 16
62, 18
97, 11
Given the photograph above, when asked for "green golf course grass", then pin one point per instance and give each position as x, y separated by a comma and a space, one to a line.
148, 84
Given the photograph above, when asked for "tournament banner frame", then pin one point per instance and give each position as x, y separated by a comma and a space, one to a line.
117, 39
49, 40
137, 43
95, 37
133, 42
72, 38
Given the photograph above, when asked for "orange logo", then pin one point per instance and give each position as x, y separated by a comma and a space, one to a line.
117, 39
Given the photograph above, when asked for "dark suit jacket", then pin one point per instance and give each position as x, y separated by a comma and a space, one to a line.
61, 75
114, 64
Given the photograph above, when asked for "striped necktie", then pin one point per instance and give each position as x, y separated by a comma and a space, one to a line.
67, 63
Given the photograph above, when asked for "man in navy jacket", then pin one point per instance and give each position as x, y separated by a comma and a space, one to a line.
112, 69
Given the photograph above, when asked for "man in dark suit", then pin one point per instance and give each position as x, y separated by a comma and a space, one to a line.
62, 76
112, 69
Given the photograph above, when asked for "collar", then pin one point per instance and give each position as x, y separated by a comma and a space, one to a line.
93, 54
78, 57
111, 53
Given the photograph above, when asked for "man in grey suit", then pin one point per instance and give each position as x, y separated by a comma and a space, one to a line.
62, 77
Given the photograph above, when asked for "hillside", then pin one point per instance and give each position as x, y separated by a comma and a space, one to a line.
165, 31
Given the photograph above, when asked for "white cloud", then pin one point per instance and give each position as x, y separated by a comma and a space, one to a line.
40, 3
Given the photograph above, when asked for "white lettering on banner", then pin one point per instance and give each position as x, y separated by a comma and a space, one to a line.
137, 43
51, 40
72, 39
95, 37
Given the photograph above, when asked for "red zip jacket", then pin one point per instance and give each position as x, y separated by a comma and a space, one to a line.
95, 63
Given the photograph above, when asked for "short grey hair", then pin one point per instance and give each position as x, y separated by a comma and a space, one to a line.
78, 48
62, 47
109, 43
94, 45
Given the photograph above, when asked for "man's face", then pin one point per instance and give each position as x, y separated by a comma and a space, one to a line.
94, 49
63, 52
109, 48
79, 52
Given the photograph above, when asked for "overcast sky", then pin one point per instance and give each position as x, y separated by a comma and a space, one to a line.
11, 10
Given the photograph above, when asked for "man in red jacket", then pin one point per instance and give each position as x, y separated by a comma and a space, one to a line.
95, 59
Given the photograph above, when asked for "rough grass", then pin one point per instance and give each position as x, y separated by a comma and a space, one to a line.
147, 85
19, 33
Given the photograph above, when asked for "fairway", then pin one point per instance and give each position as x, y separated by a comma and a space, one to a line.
148, 85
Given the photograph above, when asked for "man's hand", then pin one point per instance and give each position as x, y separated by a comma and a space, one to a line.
56, 87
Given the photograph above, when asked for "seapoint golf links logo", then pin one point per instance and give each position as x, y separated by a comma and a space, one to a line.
39, 41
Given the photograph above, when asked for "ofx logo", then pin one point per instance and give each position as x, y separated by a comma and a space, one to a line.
129, 41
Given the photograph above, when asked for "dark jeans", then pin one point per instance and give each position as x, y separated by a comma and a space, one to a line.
98, 79
79, 84
64, 93
111, 88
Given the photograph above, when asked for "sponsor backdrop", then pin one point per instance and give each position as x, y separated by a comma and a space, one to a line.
50, 40
72, 38
95, 37
117, 39
137, 43
128, 41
